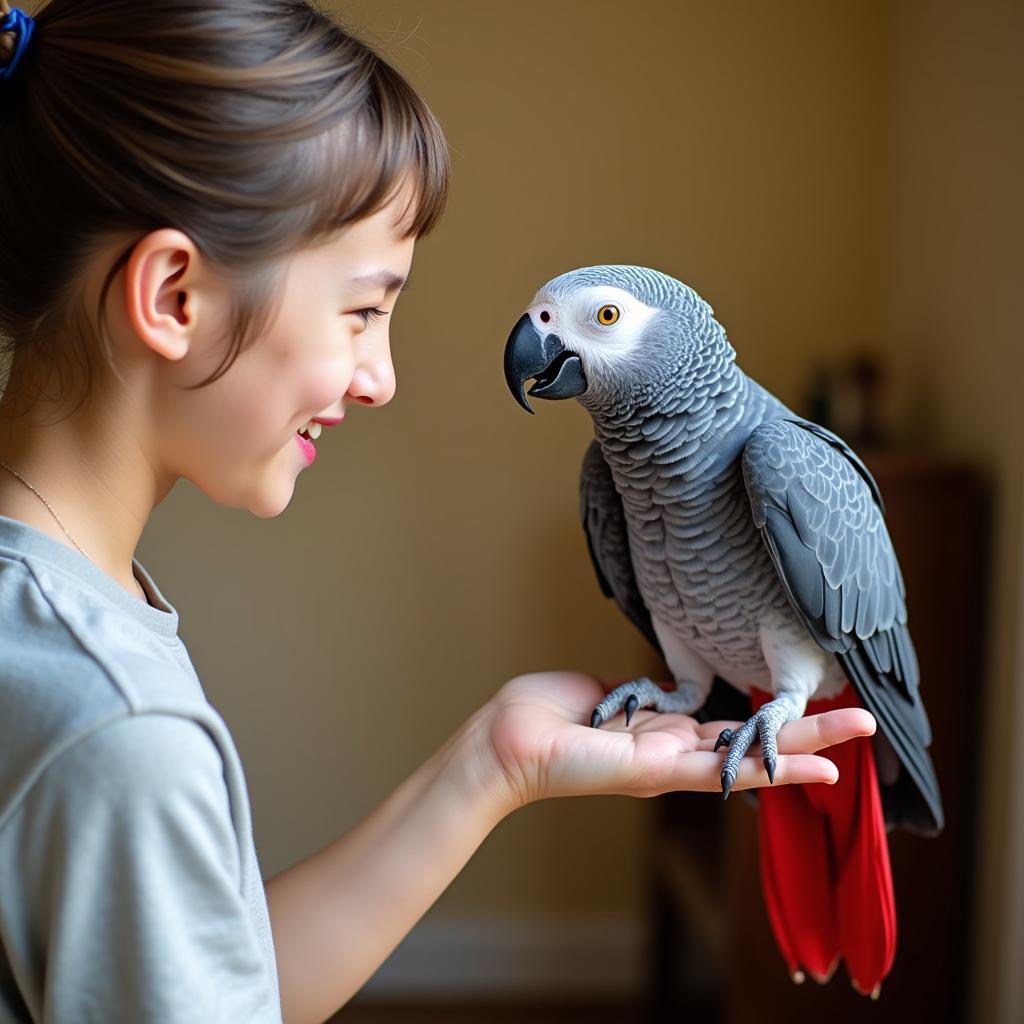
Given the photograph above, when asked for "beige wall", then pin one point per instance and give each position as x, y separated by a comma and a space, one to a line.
783, 159
955, 221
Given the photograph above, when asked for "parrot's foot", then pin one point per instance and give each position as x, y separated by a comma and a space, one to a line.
642, 693
765, 724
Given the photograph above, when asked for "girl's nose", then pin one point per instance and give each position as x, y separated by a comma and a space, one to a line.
373, 382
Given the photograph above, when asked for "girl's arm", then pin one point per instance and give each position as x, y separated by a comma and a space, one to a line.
337, 915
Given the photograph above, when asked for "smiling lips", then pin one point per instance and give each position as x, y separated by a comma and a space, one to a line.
310, 431
306, 446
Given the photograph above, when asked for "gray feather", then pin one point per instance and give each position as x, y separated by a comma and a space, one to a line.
853, 605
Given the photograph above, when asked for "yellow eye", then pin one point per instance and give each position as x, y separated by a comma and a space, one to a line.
607, 315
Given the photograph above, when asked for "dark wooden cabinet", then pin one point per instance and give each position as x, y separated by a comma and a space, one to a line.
707, 909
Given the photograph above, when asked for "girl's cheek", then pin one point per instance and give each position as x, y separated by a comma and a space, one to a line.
331, 381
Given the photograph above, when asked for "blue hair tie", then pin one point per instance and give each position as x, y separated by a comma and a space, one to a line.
24, 25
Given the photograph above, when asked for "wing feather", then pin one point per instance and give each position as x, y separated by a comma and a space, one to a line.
820, 513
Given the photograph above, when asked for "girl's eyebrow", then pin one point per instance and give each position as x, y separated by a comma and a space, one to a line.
381, 279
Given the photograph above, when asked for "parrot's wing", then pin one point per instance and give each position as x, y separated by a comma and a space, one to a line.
604, 523
820, 513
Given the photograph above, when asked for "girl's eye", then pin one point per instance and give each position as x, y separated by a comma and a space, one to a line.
370, 313
607, 315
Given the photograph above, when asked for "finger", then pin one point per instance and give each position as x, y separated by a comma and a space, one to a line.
806, 735
702, 770
802, 769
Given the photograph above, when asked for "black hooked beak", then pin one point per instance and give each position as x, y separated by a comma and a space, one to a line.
559, 372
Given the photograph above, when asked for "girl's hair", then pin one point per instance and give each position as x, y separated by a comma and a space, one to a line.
257, 127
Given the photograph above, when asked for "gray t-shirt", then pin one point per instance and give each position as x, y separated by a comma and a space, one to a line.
129, 886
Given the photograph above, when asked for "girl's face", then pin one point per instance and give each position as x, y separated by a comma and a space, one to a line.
328, 349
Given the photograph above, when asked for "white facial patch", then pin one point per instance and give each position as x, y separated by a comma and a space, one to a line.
580, 320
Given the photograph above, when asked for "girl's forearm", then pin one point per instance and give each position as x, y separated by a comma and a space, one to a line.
339, 913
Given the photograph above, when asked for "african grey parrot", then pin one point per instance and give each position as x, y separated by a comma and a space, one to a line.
748, 545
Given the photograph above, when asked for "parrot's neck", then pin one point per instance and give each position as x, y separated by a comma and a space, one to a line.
693, 431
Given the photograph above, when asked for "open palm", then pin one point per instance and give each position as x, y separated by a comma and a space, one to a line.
545, 747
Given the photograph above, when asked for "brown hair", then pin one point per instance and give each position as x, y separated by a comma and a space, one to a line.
257, 127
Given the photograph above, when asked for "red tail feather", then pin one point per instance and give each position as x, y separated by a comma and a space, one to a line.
825, 865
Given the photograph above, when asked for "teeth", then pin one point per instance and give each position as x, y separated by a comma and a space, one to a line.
311, 428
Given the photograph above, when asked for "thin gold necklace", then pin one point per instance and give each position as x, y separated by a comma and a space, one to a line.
14, 472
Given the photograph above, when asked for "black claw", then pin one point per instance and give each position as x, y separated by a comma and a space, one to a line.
595, 719
727, 781
769, 767
724, 739
632, 703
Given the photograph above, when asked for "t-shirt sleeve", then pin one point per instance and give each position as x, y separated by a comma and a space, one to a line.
132, 879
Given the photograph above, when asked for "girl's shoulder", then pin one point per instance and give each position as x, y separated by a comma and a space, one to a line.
64, 641
72, 663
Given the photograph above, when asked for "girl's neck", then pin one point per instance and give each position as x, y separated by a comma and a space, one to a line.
66, 462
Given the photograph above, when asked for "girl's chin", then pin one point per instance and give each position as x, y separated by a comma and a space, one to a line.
268, 510
264, 490
271, 502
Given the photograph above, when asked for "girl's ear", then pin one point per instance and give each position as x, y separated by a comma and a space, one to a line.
163, 267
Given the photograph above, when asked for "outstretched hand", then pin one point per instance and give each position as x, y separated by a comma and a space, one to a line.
538, 731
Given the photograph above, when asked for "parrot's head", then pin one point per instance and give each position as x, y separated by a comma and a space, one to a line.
613, 336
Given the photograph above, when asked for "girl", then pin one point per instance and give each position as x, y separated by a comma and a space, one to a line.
208, 211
